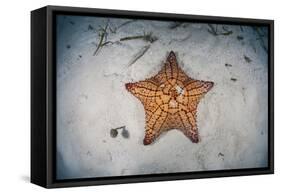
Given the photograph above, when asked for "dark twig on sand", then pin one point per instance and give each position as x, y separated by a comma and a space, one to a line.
146, 37
241, 28
125, 23
247, 59
106, 43
180, 39
103, 37
226, 31
260, 38
214, 30
131, 38
114, 29
139, 54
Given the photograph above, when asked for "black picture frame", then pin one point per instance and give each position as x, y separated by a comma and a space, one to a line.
43, 97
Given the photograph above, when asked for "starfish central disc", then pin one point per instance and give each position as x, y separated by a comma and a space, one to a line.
170, 99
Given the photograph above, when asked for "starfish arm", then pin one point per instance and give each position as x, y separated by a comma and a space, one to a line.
142, 89
197, 88
170, 69
154, 123
190, 127
171, 66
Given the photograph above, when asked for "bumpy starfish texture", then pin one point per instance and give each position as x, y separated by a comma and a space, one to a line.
170, 99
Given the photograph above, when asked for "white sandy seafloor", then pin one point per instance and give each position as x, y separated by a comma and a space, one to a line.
92, 99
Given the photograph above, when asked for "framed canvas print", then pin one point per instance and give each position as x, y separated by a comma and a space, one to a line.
125, 96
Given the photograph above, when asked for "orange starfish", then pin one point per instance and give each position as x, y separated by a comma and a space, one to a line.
170, 99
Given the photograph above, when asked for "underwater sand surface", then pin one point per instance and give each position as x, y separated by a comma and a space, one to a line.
92, 98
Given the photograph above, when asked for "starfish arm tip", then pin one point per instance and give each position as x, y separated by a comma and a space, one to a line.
172, 52
147, 141
195, 140
209, 85
172, 55
129, 86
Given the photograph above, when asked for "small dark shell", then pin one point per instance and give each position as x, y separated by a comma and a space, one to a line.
113, 133
125, 133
